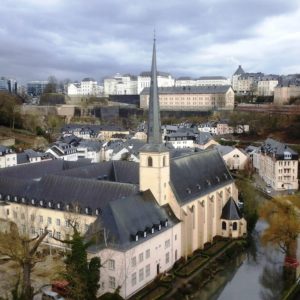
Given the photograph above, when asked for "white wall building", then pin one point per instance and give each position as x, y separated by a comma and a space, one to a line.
266, 86
234, 158
120, 85
163, 80
8, 157
63, 151
87, 87
202, 81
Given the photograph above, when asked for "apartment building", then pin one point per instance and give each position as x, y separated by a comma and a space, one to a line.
277, 165
8, 157
120, 85
87, 87
202, 81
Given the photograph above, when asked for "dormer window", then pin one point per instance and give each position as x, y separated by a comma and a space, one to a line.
98, 211
15, 198
0, 196
166, 223
58, 205
68, 207
152, 230
159, 227
32, 201
8, 197
49, 204
23, 200
145, 234
87, 210
41, 202
198, 186
136, 237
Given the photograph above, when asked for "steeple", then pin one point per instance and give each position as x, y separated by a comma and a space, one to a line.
154, 125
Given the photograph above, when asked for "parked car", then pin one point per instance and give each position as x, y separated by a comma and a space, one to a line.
49, 295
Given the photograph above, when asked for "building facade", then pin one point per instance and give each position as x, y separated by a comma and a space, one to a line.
202, 81
87, 87
120, 85
200, 98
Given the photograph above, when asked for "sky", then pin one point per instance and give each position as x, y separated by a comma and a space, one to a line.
75, 39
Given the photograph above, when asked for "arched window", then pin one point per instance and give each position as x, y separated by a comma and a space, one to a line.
224, 225
150, 161
164, 161
234, 226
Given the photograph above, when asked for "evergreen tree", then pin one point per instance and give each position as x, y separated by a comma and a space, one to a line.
83, 276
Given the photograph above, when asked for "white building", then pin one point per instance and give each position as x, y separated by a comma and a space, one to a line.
87, 87
63, 151
120, 85
278, 165
234, 158
266, 86
90, 150
8, 157
163, 80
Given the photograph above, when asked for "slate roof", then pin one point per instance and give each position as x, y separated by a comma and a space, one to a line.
148, 74
273, 147
203, 137
239, 71
212, 78
224, 149
209, 89
40, 169
116, 171
126, 217
195, 175
88, 79
231, 211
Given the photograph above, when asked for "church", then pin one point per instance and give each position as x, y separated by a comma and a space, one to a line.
147, 215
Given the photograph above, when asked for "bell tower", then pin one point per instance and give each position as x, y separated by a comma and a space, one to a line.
154, 156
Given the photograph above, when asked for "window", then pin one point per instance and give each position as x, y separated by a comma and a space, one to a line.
22, 216
58, 222
67, 223
49, 220
175, 237
147, 270
32, 218
133, 261
141, 257
133, 279
32, 230
223, 225
50, 233
112, 282
15, 214
41, 219
58, 235
150, 161
234, 226
41, 231
164, 161
111, 264
176, 254
167, 257
7, 212
147, 253
167, 244
141, 275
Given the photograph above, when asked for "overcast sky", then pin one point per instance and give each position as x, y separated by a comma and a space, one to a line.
75, 38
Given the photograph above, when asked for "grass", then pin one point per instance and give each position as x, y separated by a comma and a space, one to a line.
191, 266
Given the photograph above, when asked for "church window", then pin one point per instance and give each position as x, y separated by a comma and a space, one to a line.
234, 226
224, 225
164, 161
150, 161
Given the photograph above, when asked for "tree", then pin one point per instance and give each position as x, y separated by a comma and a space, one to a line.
83, 276
282, 216
21, 249
51, 87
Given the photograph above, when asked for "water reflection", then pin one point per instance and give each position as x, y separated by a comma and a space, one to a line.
256, 274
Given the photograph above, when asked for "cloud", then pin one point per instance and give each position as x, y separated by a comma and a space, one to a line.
75, 39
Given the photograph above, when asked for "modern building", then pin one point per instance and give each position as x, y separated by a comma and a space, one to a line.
163, 80
8, 85
277, 165
194, 98
36, 88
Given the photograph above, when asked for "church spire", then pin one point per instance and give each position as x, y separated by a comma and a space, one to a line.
154, 125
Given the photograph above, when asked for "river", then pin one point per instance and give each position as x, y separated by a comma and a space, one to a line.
255, 274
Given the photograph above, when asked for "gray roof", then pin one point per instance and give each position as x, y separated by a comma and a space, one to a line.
212, 78
40, 169
231, 211
239, 71
224, 149
88, 79
203, 137
278, 149
198, 174
148, 74
209, 89
90, 145
127, 217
